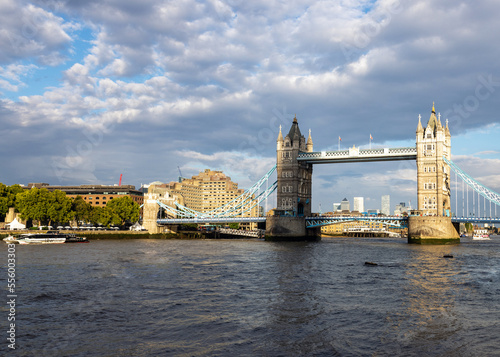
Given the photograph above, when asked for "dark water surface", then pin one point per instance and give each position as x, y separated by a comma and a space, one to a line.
254, 298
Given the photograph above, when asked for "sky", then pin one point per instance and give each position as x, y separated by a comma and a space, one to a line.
90, 90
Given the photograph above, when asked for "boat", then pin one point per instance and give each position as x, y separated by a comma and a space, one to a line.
50, 237
71, 238
481, 234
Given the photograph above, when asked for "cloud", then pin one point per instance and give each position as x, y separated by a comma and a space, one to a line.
201, 84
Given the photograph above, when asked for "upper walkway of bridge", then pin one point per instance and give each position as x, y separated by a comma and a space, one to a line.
358, 155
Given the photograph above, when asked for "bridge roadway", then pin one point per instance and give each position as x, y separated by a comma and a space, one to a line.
324, 220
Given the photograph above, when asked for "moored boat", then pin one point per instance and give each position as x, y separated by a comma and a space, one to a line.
50, 237
481, 234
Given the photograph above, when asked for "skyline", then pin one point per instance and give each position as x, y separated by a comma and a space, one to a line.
93, 90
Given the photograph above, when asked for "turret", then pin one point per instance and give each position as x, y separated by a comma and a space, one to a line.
309, 144
279, 141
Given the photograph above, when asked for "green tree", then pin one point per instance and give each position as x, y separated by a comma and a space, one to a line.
125, 209
234, 225
32, 204
82, 209
59, 207
103, 216
8, 197
14, 190
4, 207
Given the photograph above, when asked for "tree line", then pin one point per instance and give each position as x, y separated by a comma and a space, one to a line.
50, 207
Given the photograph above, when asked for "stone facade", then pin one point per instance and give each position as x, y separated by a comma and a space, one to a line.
294, 177
433, 185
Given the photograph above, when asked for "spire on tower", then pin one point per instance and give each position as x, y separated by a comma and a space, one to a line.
280, 136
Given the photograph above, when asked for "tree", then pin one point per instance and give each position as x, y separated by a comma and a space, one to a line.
103, 216
32, 204
125, 209
8, 197
81, 209
59, 207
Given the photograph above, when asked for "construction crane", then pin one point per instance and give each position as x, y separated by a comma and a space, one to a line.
181, 178
120, 182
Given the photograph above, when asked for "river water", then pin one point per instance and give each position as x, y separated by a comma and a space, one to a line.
255, 298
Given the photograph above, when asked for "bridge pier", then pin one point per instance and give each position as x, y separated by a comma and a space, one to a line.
287, 228
432, 230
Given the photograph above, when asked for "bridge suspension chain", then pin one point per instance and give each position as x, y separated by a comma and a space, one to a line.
236, 207
490, 195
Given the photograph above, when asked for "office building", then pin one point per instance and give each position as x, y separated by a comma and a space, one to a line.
358, 204
344, 205
96, 195
386, 205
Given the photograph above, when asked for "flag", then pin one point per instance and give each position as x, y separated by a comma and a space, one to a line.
371, 138
340, 138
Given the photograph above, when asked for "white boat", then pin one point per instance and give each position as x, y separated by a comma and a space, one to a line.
481, 234
10, 240
40, 238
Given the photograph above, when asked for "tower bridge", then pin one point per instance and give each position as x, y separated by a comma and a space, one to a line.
295, 158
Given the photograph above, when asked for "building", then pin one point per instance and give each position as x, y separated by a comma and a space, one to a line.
96, 195
205, 192
386, 205
400, 209
433, 174
337, 207
373, 212
345, 205
358, 204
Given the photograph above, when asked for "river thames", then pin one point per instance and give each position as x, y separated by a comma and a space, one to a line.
256, 298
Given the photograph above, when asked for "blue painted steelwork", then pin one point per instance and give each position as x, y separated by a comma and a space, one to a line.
476, 186
210, 220
476, 220
393, 221
236, 207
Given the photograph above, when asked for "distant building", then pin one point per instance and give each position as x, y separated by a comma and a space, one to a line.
359, 204
373, 212
337, 207
96, 195
206, 191
344, 205
386, 205
400, 209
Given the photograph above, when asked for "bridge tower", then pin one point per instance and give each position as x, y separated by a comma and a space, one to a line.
434, 225
294, 177
294, 189
433, 174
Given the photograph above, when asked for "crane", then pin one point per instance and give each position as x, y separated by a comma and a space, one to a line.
181, 178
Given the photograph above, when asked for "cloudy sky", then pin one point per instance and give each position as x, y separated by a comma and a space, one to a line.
92, 89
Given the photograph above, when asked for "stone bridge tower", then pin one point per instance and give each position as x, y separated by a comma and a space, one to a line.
433, 174
294, 177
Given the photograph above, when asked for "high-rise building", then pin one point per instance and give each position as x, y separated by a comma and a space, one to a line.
207, 191
386, 205
359, 204
344, 205
337, 207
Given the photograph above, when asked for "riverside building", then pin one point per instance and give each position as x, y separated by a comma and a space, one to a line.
207, 191
96, 195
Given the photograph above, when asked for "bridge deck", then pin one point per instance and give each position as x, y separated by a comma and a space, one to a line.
210, 220
358, 155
